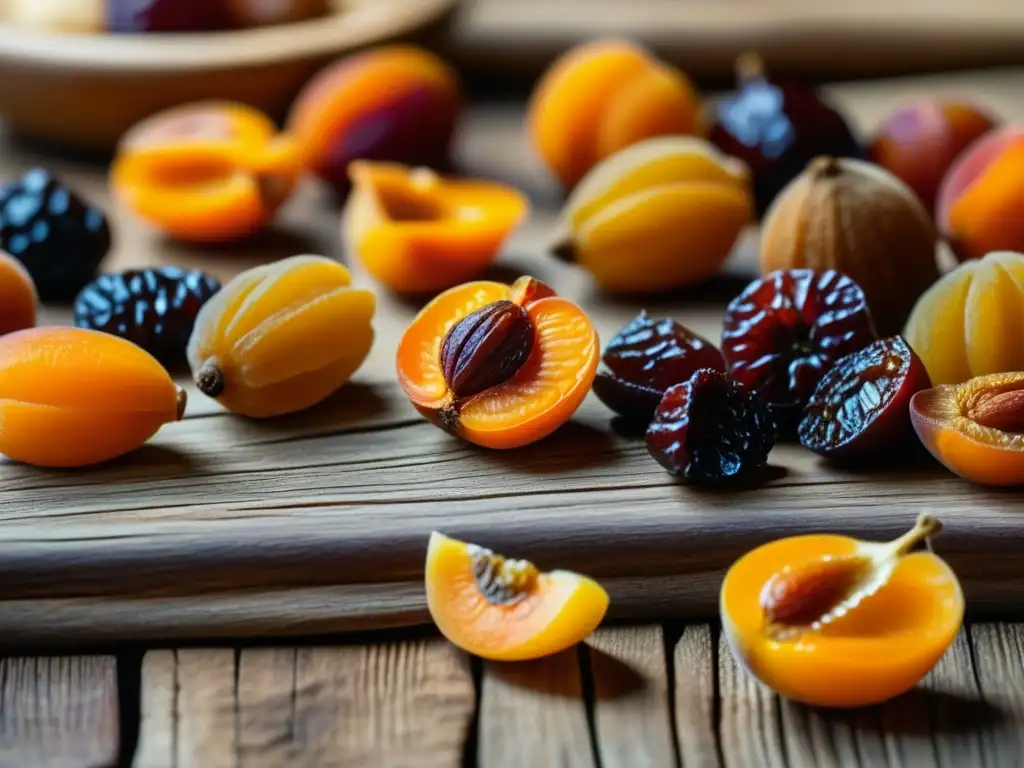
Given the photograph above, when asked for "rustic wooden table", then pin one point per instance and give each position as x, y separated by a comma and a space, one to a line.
654, 694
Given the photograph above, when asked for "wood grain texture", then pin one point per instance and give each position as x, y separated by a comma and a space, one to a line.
750, 723
694, 690
59, 712
999, 667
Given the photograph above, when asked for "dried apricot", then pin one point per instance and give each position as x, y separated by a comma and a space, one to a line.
419, 233
281, 337
501, 366
18, 298
205, 172
507, 610
70, 397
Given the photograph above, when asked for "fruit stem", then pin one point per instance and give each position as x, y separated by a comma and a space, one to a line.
182, 399
925, 526
210, 379
825, 167
749, 66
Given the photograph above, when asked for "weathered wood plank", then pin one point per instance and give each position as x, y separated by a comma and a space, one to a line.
694, 667
533, 714
999, 665
749, 719
394, 704
59, 712
632, 716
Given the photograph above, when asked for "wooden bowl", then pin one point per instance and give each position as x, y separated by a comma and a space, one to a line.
84, 90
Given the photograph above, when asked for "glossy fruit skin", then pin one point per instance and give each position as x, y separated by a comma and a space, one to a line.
872, 388
786, 330
776, 128
645, 359
59, 236
18, 299
166, 15
711, 431
153, 308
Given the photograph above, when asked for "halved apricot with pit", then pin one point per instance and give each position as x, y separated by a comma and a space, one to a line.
205, 172
976, 429
501, 366
837, 622
506, 610
419, 233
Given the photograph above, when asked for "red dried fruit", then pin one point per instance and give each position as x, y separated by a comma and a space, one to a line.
710, 430
862, 406
647, 357
786, 330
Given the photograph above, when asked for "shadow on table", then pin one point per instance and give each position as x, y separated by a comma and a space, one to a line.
572, 446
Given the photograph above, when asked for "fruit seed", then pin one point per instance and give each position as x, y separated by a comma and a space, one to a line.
1003, 411
801, 595
486, 348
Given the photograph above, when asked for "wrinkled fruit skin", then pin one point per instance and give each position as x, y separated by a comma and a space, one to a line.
486, 348
645, 359
396, 104
711, 431
860, 409
785, 331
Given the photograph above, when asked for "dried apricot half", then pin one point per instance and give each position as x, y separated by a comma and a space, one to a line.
70, 397
507, 610
976, 429
280, 338
501, 366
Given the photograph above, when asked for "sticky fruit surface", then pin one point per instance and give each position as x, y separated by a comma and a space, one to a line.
506, 610
647, 357
543, 392
71, 397
879, 649
205, 172
281, 337
661, 214
18, 300
711, 431
419, 233
975, 429
786, 330
971, 321
860, 408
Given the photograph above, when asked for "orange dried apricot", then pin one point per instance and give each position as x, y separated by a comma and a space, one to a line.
419, 233
601, 97
18, 299
397, 103
205, 172
500, 366
834, 621
280, 338
507, 610
70, 397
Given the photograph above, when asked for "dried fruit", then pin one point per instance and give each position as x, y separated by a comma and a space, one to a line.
166, 15
975, 429
281, 337
839, 622
860, 408
777, 127
261, 13
461, 361
662, 214
419, 233
784, 332
153, 308
919, 142
71, 397
18, 300
59, 236
601, 97
968, 323
862, 221
710, 431
507, 610
645, 359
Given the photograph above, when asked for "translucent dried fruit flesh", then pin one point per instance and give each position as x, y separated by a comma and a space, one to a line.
602, 97
661, 214
971, 322
205, 172
975, 429
18, 300
282, 337
544, 391
786, 330
397, 104
507, 610
419, 233
71, 397
646, 358
710, 431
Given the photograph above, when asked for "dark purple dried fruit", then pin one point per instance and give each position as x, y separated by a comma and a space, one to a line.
711, 431
786, 330
486, 348
647, 357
